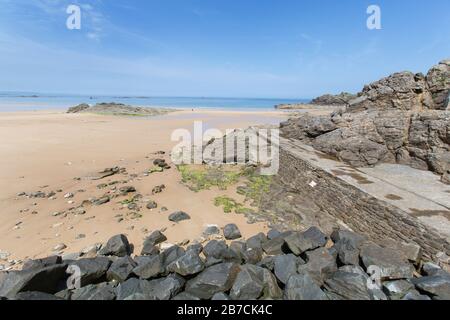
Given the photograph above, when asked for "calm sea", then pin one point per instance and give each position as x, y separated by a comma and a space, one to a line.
31, 101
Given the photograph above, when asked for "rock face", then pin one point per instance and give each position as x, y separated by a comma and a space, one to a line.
313, 270
341, 99
118, 109
404, 118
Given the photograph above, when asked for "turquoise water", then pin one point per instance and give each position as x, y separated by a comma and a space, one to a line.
31, 101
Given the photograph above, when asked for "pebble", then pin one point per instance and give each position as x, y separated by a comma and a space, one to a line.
59, 247
68, 195
80, 236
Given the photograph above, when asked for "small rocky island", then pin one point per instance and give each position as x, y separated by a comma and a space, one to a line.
118, 109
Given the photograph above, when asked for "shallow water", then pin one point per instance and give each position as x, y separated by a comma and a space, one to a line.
28, 102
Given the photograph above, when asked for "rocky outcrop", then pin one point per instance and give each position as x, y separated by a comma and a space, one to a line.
341, 99
118, 109
308, 265
404, 118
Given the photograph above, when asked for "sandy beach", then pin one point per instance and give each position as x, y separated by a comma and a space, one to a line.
47, 150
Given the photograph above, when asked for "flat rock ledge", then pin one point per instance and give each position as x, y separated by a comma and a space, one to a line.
289, 265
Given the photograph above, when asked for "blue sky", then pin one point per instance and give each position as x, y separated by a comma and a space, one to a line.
224, 48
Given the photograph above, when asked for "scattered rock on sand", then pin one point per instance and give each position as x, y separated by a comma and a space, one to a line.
179, 216
231, 232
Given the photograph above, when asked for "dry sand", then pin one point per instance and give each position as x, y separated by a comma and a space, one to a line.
46, 150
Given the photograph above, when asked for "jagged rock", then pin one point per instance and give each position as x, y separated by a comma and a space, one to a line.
92, 270
273, 233
415, 295
220, 297
248, 284
215, 248
121, 269
438, 80
396, 290
392, 264
179, 216
172, 254
46, 280
132, 287
149, 267
231, 232
341, 99
189, 264
347, 286
299, 242
41, 263
151, 241
252, 255
116, 246
256, 241
165, 288
98, 292
348, 245
211, 230
198, 247
273, 247
437, 286
78, 108
185, 296
410, 251
215, 279
320, 265
286, 266
303, 287
36, 296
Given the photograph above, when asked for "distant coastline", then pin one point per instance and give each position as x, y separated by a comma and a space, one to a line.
25, 101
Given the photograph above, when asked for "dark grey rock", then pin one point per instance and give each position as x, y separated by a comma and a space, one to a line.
436, 286
132, 287
116, 246
185, 296
431, 269
211, 230
348, 245
165, 288
46, 280
273, 247
149, 267
415, 295
93, 270
267, 262
397, 289
256, 241
215, 249
347, 286
231, 232
151, 241
188, 264
320, 265
303, 287
220, 297
41, 263
300, 242
215, 279
253, 255
248, 284
36, 296
273, 233
179, 216
285, 266
172, 254
392, 264
99, 292
198, 247
121, 269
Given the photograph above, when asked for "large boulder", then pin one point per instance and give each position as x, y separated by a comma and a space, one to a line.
347, 286
92, 270
121, 269
215, 279
390, 263
47, 280
98, 292
341, 99
116, 246
303, 287
188, 264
